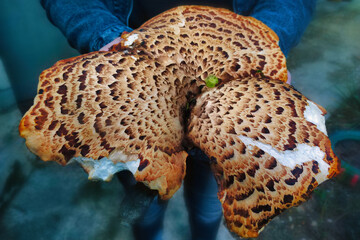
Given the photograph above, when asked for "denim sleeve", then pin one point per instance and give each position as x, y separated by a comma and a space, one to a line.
88, 25
287, 18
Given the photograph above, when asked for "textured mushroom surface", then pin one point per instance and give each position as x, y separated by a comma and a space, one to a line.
267, 143
210, 41
267, 154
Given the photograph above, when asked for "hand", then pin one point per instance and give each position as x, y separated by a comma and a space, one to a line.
110, 44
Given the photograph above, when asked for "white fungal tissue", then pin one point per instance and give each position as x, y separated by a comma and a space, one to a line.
104, 168
314, 115
290, 158
131, 39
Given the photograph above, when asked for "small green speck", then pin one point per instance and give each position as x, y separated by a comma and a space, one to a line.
211, 81
260, 72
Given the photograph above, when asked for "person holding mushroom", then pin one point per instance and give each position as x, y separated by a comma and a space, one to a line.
97, 25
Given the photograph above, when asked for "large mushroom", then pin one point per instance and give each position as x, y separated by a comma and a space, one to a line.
266, 141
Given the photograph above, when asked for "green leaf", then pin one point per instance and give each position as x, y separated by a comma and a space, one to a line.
211, 81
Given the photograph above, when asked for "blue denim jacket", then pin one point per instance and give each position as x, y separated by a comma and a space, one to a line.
90, 24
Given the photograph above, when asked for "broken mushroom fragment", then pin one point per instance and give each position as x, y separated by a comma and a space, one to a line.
125, 109
267, 152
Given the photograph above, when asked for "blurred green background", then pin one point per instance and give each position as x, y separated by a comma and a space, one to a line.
29, 44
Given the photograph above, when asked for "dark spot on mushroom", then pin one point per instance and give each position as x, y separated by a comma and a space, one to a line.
81, 118
62, 131
85, 149
53, 125
290, 181
261, 208
212, 25
257, 107
238, 224
296, 172
231, 130
168, 48
238, 95
85, 63
241, 176
130, 133
271, 163
243, 196
263, 222
262, 64
315, 167
265, 130
49, 102
213, 160
259, 153
143, 164
240, 35
260, 189
268, 119
298, 96
273, 72
288, 199
65, 76
286, 88
279, 110
251, 172
79, 101
99, 67
270, 185
108, 122
62, 89
229, 181
291, 143
68, 153
241, 212
102, 105
235, 67
229, 155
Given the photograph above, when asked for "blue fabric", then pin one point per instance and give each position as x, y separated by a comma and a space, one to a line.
200, 188
90, 24
150, 225
287, 18
204, 207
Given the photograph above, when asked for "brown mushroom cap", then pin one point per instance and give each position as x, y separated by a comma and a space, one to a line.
266, 152
128, 105
107, 103
210, 41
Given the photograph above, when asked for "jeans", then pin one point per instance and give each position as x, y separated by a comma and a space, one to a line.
200, 190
